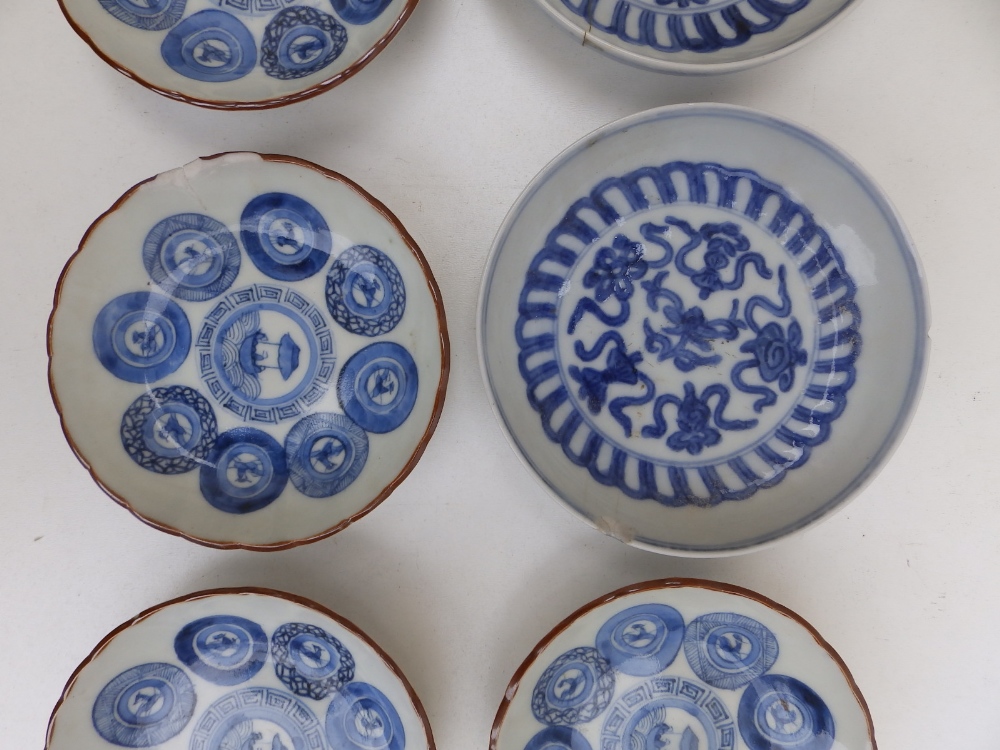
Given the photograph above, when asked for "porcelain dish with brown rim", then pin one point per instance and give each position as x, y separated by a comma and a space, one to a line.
683, 664
249, 351
238, 54
239, 669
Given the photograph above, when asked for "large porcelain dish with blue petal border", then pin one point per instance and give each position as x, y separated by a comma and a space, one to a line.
249, 351
703, 328
696, 36
683, 664
238, 54
238, 669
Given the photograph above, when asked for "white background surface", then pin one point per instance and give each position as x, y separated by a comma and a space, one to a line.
462, 570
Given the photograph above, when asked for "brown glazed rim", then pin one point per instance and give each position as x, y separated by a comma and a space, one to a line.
243, 591
421, 445
279, 101
674, 583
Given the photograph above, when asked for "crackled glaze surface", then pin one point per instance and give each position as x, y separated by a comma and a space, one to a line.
683, 665
238, 53
239, 671
244, 351
690, 341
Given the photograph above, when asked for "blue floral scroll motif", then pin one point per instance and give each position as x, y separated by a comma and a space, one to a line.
673, 343
729, 650
361, 717
211, 46
574, 689
223, 649
144, 706
360, 12
257, 717
151, 15
782, 713
310, 661
300, 41
672, 26
365, 292
169, 430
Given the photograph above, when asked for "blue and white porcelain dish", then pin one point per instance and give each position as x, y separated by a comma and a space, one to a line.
696, 36
703, 328
683, 664
249, 351
238, 54
239, 669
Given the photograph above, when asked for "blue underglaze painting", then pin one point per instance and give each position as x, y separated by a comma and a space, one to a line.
191, 257
141, 337
310, 661
147, 15
359, 11
169, 430
144, 706
258, 717
255, 7
300, 41
326, 453
365, 292
211, 46
594, 692
361, 717
685, 25
284, 235
223, 649
378, 386
244, 472
266, 353
688, 333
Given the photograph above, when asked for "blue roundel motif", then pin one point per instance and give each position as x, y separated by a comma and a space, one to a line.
300, 41
326, 452
285, 237
642, 640
141, 337
211, 46
782, 713
378, 386
257, 717
558, 738
360, 11
310, 661
245, 471
223, 649
728, 650
169, 430
361, 717
151, 15
365, 292
575, 688
144, 706
191, 256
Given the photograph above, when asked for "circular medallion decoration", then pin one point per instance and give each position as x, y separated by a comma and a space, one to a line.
191, 257
285, 237
378, 386
266, 353
365, 292
141, 337
310, 661
558, 738
148, 15
144, 706
223, 649
361, 717
300, 41
211, 46
782, 713
728, 650
255, 7
359, 11
642, 640
326, 452
257, 717
574, 689
169, 430
245, 471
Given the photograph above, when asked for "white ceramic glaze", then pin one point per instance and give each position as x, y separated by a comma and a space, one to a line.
683, 665
238, 54
696, 36
242, 670
174, 327
703, 328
